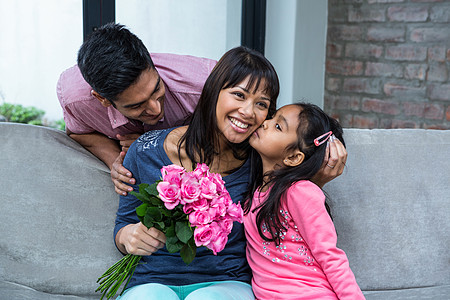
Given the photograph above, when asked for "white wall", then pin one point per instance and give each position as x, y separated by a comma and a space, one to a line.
295, 44
202, 28
38, 39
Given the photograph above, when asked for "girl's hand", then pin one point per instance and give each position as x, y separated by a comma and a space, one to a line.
138, 240
120, 175
333, 164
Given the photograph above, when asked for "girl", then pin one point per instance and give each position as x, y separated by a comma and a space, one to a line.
237, 97
291, 240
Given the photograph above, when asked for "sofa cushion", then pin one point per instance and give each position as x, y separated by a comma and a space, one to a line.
58, 208
391, 207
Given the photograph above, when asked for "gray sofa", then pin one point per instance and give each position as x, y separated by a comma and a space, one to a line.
391, 209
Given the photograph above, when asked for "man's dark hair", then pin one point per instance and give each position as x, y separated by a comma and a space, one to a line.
112, 59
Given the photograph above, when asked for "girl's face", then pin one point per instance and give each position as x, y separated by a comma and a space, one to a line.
240, 112
276, 134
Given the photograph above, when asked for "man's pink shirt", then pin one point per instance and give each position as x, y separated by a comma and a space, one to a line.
183, 77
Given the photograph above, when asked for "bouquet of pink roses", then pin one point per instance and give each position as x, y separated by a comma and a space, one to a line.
193, 209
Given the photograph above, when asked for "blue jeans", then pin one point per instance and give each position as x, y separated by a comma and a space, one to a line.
219, 290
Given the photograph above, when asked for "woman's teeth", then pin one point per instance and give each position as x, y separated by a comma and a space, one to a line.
238, 123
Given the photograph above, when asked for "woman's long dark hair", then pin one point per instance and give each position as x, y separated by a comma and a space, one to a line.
313, 122
201, 139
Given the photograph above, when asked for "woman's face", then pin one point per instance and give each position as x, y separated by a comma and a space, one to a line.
240, 111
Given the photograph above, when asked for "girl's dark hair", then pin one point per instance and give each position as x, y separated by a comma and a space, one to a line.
313, 122
202, 136
112, 59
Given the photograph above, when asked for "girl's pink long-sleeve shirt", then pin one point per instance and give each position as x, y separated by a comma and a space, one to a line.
307, 264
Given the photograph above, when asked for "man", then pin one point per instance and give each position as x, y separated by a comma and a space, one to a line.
117, 91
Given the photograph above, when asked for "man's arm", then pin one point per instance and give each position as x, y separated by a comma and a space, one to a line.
108, 151
104, 148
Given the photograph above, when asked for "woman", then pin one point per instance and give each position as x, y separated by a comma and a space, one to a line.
238, 96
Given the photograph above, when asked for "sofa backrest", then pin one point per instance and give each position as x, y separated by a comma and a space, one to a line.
392, 207
58, 205
57, 209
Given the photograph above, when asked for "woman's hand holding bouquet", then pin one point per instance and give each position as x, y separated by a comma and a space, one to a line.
192, 209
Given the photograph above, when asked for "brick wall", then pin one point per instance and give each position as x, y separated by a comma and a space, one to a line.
388, 63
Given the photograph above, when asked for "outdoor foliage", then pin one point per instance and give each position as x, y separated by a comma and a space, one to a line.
27, 115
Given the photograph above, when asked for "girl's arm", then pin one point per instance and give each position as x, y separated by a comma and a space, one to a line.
306, 204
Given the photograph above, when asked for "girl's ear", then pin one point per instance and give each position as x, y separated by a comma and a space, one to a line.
105, 102
294, 158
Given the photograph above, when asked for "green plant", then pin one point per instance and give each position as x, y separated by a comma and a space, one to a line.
28, 115
20, 114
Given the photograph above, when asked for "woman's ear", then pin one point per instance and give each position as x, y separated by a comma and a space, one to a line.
105, 102
294, 158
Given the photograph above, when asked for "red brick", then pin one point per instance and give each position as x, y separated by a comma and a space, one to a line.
343, 102
380, 106
407, 13
439, 92
415, 71
333, 84
345, 33
384, 1
448, 54
430, 35
427, 0
383, 69
437, 72
394, 124
364, 122
366, 14
414, 109
447, 114
344, 67
334, 50
433, 111
436, 126
440, 14
386, 34
362, 50
362, 85
403, 92
346, 120
406, 52
436, 53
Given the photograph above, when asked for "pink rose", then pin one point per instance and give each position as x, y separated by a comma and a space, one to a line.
235, 212
199, 217
200, 204
190, 188
226, 224
201, 171
219, 243
217, 207
172, 173
209, 189
204, 234
217, 179
169, 194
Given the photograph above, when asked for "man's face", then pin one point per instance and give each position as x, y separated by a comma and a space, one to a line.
144, 100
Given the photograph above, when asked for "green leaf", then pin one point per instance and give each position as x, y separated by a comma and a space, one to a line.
173, 245
170, 231
151, 189
155, 213
141, 209
188, 252
160, 226
183, 231
142, 195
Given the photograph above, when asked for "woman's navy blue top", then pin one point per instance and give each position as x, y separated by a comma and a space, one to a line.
144, 159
